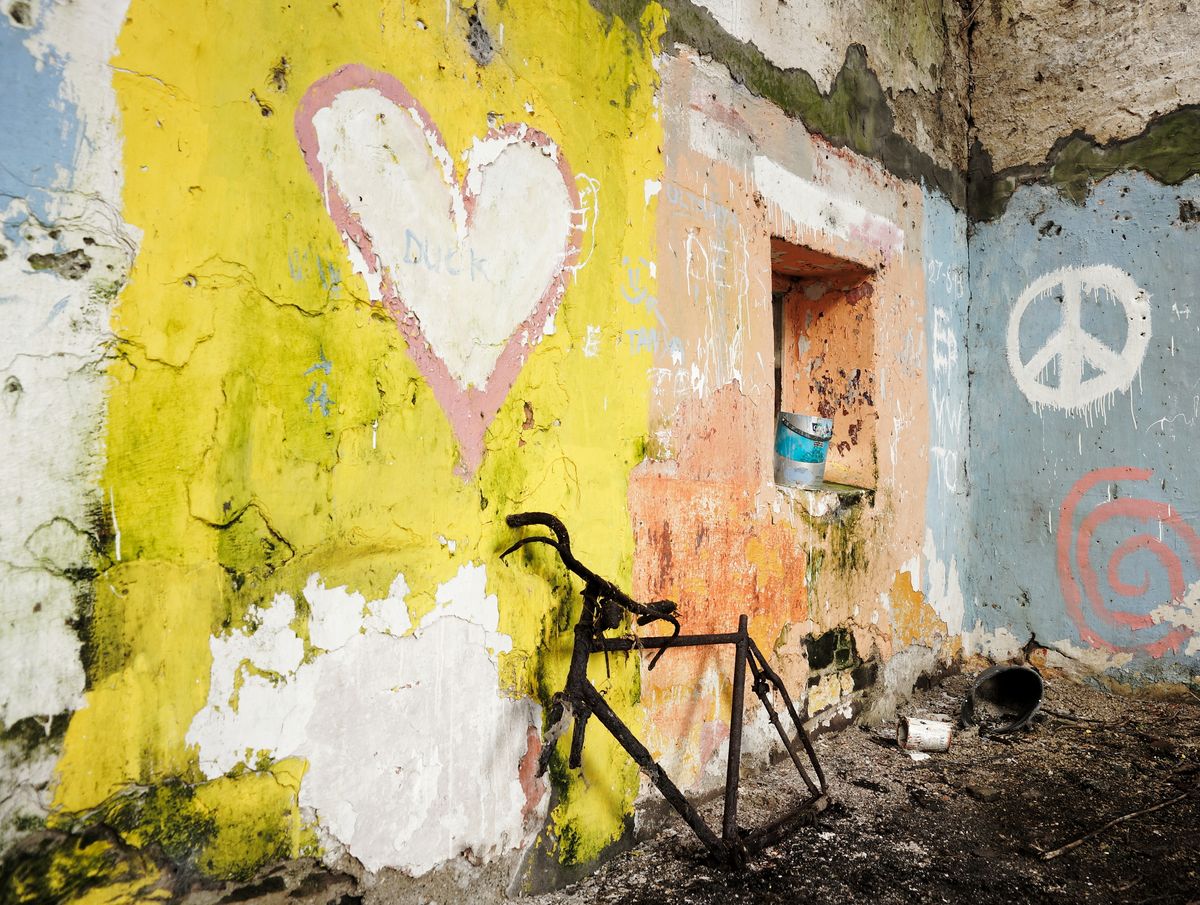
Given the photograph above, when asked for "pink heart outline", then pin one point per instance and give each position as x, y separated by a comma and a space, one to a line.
469, 410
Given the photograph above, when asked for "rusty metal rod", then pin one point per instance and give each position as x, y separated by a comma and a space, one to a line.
575, 760
729, 830
764, 695
772, 832
619, 644
791, 708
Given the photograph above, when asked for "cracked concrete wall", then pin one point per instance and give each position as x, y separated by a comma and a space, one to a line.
65, 253
1083, 277
917, 49
1045, 69
399, 273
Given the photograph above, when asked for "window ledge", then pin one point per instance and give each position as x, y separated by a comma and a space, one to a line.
827, 501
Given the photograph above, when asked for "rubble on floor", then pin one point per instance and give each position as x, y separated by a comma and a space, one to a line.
992, 820
974, 824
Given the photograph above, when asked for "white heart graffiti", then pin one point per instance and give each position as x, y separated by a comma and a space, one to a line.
470, 271
1071, 347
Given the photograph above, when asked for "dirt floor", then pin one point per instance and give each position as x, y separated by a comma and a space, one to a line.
975, 824
970, 825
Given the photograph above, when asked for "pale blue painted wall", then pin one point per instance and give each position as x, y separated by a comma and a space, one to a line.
944, 241
40, 136
1026, 459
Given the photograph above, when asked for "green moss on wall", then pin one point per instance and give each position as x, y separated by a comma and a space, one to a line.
60, 867
855, 114
1168, 150
165, 815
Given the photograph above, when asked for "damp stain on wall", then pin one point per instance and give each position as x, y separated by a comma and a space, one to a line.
271, 420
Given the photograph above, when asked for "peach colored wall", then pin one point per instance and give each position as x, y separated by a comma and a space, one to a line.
711, 528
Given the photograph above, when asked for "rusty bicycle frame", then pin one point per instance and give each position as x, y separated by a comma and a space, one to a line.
604, 609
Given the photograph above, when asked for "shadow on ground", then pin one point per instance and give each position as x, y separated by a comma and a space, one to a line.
970, 825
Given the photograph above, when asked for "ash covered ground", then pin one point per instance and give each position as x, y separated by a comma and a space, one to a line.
968, 825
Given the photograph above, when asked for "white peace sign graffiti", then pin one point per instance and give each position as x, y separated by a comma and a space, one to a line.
1073, 346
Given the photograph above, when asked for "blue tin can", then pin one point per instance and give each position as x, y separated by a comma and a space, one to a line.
801, 446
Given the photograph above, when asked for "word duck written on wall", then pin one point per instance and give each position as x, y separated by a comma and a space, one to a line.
469, 289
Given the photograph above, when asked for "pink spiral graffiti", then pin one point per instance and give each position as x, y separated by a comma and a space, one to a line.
1080, 582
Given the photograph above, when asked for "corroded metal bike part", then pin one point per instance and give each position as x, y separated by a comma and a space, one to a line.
604, 609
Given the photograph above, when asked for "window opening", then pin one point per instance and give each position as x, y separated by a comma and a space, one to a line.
824, 326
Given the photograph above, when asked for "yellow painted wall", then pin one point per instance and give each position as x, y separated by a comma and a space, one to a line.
269, 429
227, 487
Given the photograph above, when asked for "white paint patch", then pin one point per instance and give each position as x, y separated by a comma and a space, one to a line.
40, 671
997, 645
1183, 614
52, 370
390, 615
1084, 662
944, 592
116, 526
465, 597
716, 141
1070, 350
470, 284
814, 208
83, 38
591, 345
335, 614
412, 746
27, 780
817, 503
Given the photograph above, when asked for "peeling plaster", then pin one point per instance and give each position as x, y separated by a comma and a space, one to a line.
944, 587
1044, 69
412, 747
911, 41
860, 108
64, 254
1083, 662
997, 645
51, 357
818, 210
899, 675
28, 777
1184, 614
40, 669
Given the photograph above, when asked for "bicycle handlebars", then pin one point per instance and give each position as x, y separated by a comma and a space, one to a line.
598, 592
